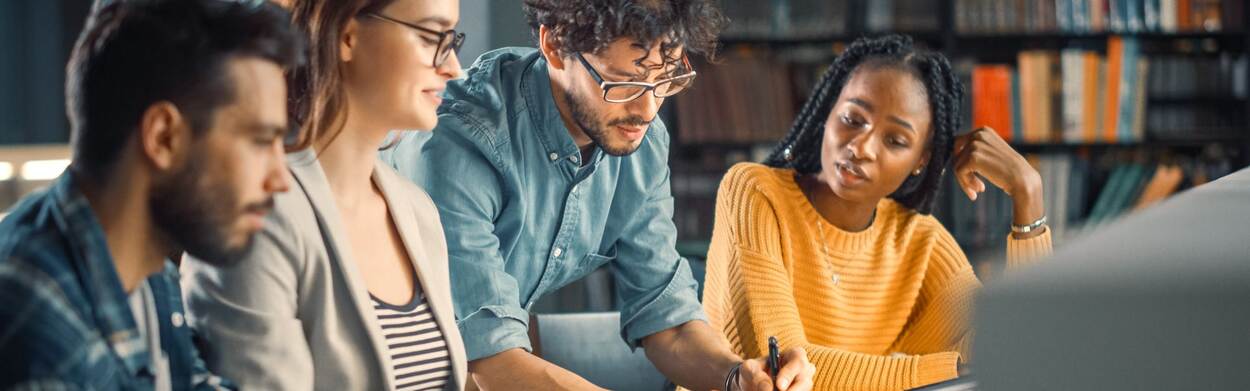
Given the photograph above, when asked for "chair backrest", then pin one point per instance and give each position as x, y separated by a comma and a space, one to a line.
589, 344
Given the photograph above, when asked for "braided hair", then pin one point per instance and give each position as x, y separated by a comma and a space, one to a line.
801, 148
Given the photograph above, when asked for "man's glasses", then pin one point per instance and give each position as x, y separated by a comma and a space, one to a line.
448, 41
625, 91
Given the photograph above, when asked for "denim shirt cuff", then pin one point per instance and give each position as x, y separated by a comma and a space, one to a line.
494, 329
676, 305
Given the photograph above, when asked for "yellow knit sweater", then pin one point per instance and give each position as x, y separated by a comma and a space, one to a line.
896, 319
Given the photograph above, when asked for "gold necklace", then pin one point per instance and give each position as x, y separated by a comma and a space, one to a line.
820, 226
824, 247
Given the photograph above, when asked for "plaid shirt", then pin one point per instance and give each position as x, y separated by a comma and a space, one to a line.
65, 322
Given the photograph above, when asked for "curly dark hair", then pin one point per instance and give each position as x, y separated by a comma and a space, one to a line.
942, 87
588, 26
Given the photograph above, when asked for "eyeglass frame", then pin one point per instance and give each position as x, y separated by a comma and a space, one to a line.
457, 38
607, 85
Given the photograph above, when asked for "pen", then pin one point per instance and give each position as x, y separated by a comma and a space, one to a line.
774, 358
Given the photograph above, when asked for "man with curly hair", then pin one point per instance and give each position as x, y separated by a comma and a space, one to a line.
548, 163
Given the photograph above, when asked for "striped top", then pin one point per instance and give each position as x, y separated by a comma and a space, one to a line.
419, 355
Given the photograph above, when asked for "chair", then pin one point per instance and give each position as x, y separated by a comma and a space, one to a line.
589, 344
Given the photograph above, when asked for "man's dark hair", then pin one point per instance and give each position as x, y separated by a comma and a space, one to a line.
588, 26
942, 87
134, 53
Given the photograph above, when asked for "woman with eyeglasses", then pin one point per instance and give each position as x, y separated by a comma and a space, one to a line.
347, 287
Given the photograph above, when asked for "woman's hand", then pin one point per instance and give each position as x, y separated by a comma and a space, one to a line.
983, 154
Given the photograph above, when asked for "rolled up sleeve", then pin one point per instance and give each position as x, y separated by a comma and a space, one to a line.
656, 287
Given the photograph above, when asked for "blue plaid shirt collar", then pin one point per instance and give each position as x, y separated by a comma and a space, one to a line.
94, 264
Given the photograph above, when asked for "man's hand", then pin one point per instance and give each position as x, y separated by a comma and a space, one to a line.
795, 374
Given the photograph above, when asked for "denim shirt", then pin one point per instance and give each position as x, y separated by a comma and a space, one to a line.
65, 321
524, 217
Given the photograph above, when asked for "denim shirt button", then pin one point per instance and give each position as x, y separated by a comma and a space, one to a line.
553, 156
176, 319
556, 252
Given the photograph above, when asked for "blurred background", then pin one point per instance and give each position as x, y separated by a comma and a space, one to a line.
1118, 103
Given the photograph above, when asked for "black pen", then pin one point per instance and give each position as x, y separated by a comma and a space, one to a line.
774, 359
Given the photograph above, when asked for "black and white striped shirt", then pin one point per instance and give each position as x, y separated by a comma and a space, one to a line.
418, 350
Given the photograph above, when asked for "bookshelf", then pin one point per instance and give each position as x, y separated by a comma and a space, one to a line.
1113, 176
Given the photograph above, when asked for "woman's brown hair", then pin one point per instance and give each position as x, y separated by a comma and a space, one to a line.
315, 91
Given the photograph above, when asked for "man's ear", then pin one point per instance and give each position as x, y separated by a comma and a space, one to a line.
550, 46
164, 136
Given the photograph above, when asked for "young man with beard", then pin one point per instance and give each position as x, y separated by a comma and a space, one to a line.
547, 164
178, 111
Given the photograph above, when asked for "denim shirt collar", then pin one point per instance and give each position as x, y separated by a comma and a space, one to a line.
97, 273
540, 103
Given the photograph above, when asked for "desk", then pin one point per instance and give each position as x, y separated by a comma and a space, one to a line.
964, 383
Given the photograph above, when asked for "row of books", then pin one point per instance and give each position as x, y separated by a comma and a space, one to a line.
742, 99
1082, 192
902, 15
825, 18
1220, 76
1084, 96
1072, 96
1196, 122
1095, 16
785, 18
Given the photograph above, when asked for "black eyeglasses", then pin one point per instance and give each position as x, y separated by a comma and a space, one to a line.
625, 91
448, 41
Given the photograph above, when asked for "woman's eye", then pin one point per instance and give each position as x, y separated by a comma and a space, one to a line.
846, 119
898, 142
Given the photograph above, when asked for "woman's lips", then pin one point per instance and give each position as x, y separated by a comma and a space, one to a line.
851, 174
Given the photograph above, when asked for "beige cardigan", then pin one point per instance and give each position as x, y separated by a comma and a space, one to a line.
295, 313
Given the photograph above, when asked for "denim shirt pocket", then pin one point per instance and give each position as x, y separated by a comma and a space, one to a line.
593, 261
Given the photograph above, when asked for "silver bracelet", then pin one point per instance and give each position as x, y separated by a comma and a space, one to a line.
731, 378
1024, 229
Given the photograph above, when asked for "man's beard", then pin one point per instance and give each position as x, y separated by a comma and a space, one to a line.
197, 212
586, 119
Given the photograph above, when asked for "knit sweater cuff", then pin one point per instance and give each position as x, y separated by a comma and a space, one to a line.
1024, 251
937, 367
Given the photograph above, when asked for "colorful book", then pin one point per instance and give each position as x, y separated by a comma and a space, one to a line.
1092, 65
1128, 89
1111, 108
991, 99
1073, 77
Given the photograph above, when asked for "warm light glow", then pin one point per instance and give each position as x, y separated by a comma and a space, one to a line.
42, 170
6, 171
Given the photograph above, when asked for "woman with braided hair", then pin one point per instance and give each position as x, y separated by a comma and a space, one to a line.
830, 246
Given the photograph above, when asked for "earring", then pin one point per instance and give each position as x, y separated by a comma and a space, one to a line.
787, 154
917, 172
